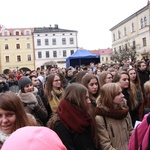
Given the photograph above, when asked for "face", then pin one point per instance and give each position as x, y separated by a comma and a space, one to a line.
93, 86
28, 88
108, 78
118, 100
56, 82
52, 71
90, 71
7, 121
35, 81
143, 66
98, 72
124, 81
132, 75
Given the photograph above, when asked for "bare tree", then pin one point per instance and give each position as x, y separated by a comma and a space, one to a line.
127, 52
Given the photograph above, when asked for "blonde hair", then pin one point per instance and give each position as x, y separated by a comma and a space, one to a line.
107, 94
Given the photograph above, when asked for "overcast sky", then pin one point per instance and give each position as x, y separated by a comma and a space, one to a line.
91, 18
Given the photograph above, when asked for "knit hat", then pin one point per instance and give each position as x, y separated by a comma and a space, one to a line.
33, 138
23, 81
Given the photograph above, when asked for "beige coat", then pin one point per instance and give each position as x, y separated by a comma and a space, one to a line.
114, 134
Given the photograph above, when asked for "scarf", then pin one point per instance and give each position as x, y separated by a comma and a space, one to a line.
73, 117
117, 114
55, 100
27, 97
3, 136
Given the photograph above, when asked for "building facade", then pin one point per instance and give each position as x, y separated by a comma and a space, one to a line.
133, 31
16, 49
53, 45
105, 55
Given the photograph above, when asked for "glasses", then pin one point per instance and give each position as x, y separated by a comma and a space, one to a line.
56, 80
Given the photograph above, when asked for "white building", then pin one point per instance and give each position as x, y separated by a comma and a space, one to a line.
53, 45
134, 31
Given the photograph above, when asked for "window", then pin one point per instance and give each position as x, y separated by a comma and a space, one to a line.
27, 33
115, 50
54, 53
46, 42
17, 46
7, 58
38, 42
125, 31
64, 53
63, 41
145, 21
28, 45
126, 47
47, 54
29, 57
6, 46
106, 58
54, 41
18, 58
120, 49
71, 41
134, 45
119, 34
144, 41
5, 33
71, 52
142, 23
102, 58
132, 27
114, 37
17, 32
39, 54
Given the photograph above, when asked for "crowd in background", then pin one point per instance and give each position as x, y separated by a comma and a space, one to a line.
92, 107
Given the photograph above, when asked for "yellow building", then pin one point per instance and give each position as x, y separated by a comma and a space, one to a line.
134, 31
16, 49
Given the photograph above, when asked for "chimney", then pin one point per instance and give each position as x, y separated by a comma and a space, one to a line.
56, 26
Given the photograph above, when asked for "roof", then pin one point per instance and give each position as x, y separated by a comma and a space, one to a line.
107, 51
51, 29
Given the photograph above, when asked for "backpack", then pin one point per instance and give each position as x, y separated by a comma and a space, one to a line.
140, 138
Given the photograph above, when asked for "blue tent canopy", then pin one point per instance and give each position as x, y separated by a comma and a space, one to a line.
81, 57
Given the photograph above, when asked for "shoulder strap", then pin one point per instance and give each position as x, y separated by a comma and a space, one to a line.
105, 122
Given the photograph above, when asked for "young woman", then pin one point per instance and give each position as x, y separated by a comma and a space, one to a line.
137, 92
90, 81
12, 115
73, 122
53, 91
105, 77
123, 79
113, 118
31, 100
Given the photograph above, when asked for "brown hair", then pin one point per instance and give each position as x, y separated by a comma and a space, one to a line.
102, 77
9, 101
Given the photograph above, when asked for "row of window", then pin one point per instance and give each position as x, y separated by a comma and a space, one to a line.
144, 43
55, 53
17, 33
18, 58
143, 23
18, 46
54, 42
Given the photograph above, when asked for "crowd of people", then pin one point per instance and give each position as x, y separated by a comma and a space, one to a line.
92, 107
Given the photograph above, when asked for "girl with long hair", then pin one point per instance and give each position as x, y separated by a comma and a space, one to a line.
113, 118
12, 115
73, 121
